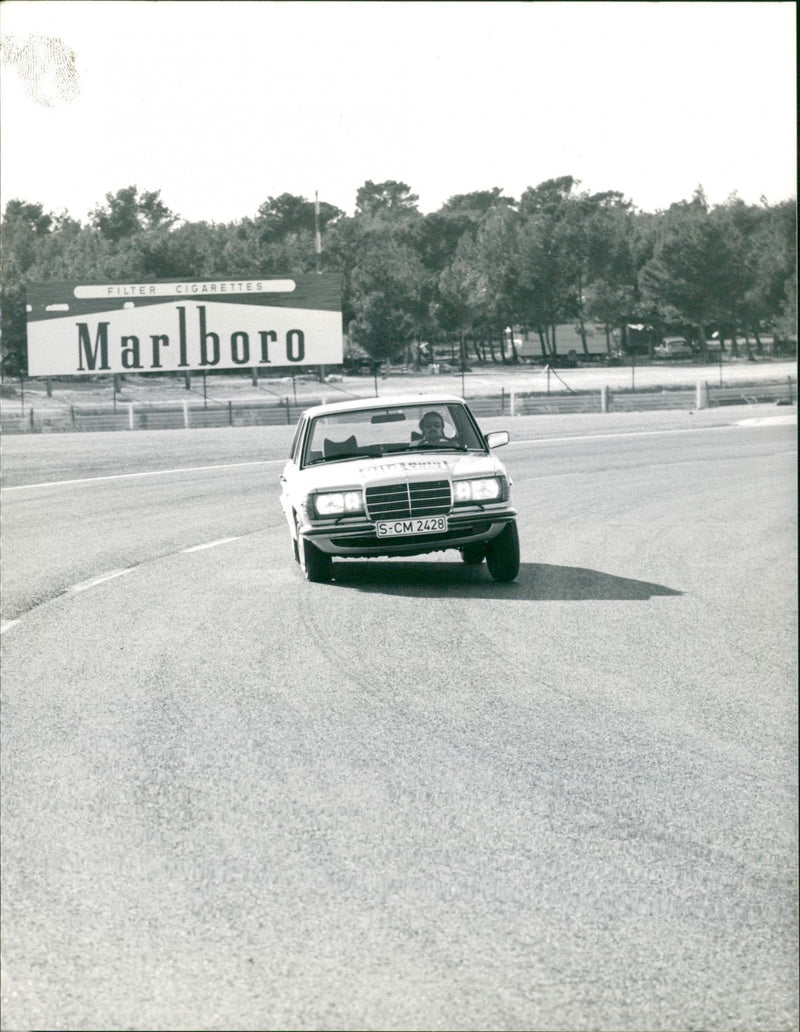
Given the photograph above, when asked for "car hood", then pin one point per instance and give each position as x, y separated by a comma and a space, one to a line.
390, 469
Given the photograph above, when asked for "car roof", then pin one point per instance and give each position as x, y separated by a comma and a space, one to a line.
389, 401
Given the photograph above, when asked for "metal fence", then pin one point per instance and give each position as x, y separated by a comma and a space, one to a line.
191, 415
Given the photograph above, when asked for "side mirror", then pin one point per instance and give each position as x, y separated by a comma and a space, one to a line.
497, 438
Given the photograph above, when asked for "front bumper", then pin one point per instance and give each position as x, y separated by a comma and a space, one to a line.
357, 538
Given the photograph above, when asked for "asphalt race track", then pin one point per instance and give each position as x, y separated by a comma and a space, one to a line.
411, 798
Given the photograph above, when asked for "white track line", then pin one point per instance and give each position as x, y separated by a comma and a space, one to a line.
85, 585
208, 544
643, 433
149, 473
769, 421
94, 582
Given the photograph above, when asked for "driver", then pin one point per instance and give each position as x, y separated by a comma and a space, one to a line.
432, 428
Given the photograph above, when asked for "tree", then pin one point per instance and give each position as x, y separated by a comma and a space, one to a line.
786, 322
384, 282
599, 234
548, 198
125, 213
195, 250
24, 228
772, 259
697, 269
548, 262
288, 214
497, 294
463, 302
441, 231
285, 233
386, 297
454, 309
389, 197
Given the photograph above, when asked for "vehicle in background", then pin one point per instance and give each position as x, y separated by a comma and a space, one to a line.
713, 346
673, 347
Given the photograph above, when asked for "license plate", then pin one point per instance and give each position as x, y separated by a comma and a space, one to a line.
414, 525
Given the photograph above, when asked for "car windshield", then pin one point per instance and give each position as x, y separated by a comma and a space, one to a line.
374, 432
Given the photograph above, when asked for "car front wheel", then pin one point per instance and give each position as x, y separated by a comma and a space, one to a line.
502, 554
316, 565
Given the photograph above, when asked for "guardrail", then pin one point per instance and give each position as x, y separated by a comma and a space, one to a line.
186, 415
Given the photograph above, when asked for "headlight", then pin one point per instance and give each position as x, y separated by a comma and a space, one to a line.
488, 489
338, 503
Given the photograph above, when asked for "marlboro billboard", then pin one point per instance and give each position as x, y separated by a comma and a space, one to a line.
75, 329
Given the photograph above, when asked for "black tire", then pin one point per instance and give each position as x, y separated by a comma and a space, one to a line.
502, 554
473, 555
316, 565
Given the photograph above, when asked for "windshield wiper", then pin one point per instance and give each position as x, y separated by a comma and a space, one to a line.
447, 446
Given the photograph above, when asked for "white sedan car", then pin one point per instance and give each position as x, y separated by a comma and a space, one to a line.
397, 476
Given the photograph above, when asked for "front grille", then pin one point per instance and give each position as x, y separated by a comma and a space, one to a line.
399, 501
